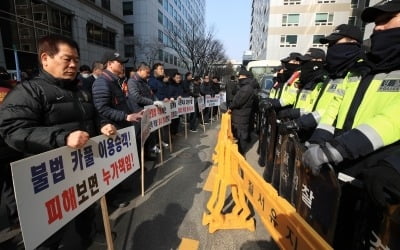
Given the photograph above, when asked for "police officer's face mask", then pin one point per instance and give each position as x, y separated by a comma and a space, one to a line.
340, 57
385, 49
310, 70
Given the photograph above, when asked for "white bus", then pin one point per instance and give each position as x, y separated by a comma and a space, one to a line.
262, 67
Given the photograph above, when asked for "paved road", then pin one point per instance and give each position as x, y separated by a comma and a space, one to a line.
171, 211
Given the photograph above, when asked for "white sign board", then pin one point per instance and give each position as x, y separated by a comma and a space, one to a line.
145, 126
54, 187
212, 101
185, 105
174, 110
200, 103
222, 97
159, 117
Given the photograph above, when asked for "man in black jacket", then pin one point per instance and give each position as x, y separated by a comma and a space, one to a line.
51, 111
241, 108
140, 95
109, 98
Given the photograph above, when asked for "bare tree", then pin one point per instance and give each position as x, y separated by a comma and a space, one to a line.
148, 50
195, 48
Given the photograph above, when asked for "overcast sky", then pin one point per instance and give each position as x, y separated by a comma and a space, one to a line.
231, 21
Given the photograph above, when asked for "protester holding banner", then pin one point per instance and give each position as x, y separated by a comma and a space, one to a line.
140, 95
205, 89
7, 155
186, 84
159, 88
108, 96
241, 108
195, 93
51, 111
175, 93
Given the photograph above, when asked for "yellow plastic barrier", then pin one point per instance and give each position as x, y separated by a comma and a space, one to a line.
237, 219
286, 227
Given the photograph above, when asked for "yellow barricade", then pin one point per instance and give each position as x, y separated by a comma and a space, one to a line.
288, 229
237, 219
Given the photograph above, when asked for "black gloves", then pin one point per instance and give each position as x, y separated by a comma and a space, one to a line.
383, 184
289, 113
265, 105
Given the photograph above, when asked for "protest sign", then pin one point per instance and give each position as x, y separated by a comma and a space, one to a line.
200, 103
212, 101
54, 187
174, 109
159, 117
145, 125
185, 105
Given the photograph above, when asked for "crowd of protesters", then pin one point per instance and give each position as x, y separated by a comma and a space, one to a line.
343, 105
66, 104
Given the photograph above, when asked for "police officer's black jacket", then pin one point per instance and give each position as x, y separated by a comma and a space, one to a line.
242, 102
39, 114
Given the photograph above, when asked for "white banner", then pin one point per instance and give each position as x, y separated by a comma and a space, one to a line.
54, 187
159, 117
174, 109
212, 101
185, 105
222, 97
200, 103
145, 127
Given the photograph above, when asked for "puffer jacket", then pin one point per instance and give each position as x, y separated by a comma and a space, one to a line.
242, 102
139, 92
110, 101
38, 115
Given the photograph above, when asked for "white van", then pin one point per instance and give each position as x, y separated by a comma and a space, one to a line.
262, 67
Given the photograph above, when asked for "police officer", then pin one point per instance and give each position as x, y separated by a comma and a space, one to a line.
344, 51
367, 127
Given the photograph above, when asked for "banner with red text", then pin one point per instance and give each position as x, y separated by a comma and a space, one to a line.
185, 105
54, 187
159, 117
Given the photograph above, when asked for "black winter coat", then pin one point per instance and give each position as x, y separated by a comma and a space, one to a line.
139, 92
110, 101
38, 115
242, 102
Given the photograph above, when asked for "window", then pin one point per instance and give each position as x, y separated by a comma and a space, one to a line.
160, 36
290, 19
127, 8
326, 1
291, 2
100, 36
288, 41
352, 20
354, 4
316, 42
323, 19
165, 4
160, 17
105, 4
160, 55
129, 50
128, 29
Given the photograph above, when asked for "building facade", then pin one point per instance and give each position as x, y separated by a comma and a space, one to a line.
149, 23
279, 27
96, 25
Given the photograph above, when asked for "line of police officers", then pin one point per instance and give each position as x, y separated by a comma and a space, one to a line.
344, 105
